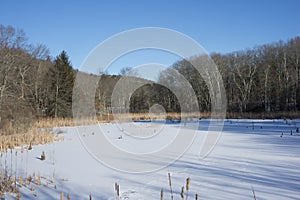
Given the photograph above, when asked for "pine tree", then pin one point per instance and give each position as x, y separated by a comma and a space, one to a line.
62, 75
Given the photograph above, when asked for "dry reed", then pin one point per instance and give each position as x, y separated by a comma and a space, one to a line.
161, 194
61, 196
170, 185
182, 192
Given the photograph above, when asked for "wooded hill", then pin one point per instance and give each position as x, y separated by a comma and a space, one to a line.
33, 85
265, 79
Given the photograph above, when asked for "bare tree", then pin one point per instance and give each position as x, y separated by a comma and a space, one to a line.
244, 67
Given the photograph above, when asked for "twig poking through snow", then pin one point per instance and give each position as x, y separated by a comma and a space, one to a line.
253, 192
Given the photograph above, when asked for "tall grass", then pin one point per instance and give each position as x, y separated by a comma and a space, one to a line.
31, 138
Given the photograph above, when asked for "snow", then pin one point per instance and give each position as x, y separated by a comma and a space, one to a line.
249, 154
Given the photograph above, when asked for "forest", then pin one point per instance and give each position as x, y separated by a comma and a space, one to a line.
264, 79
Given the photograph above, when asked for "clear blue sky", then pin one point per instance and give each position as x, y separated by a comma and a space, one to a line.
219, 26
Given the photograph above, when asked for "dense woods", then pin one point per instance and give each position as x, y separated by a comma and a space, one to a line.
264, 79
33, 85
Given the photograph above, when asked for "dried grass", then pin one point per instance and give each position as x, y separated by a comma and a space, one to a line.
22, 139
37, 132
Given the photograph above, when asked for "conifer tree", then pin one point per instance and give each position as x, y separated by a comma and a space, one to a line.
62, 75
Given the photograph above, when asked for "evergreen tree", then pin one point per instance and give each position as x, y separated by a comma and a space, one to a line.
63, 77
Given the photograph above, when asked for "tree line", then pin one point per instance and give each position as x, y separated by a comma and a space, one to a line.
263, 79
33, 85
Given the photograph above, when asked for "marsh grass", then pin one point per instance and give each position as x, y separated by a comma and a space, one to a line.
14, 174
32, 138
37, 132
11, 178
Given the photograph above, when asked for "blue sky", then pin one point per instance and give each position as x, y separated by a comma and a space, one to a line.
219, 26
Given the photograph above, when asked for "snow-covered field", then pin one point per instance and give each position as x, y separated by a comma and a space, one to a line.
249, 154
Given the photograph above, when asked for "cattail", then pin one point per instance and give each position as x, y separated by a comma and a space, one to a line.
27, 181
20, 180
68, 197
116, 186
253, 192
52, 179
43, 156
196, 196
15, 185
30, 146
170, 184
39, 180
187, 186
117, 189
188, 180
161, 194
61, 196
182, 192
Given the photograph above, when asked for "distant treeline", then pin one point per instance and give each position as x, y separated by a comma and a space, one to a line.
33, 85
265, 79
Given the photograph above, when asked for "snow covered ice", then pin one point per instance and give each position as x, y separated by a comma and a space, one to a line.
249, 154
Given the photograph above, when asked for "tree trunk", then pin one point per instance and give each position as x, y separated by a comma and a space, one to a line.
56, 99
